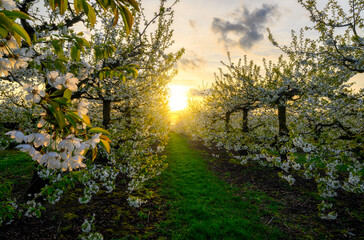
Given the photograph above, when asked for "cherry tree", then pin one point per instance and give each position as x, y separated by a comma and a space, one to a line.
47, 66
312, 119
129, 87
332, 112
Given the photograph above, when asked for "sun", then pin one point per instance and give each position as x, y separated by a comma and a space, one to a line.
178, 97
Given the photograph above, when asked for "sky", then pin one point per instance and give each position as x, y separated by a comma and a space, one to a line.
207, 29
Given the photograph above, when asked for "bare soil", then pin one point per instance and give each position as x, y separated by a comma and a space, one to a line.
114, 218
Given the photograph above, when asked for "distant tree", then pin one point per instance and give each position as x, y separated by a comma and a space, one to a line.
235, 90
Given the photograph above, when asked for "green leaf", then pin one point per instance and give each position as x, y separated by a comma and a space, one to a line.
67, 94
86, 120
78, 5
94, 153
16, 14
134, 72
51, 109
74, 114
97, 52
18, 29
106, 52
60, 65
126, 24
62, 58
134, 4
60, 119
105, 138
79, 43
71, 120
91, 15
104, 4
101, 76
17, 38
6, 22
61, 100
85, 6
86, 43
38, 213
116, 17
52, 3
63, 7
3, 32
57, 47
75, 53
99, 130
129, 17
105, 145
58, 114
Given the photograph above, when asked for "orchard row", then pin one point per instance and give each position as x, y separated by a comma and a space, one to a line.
87, 104
299, 113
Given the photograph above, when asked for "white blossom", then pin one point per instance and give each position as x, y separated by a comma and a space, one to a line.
8, 5
17, 135
69, 144
93, 141
5, 67
34, 94
70, 82
51, 160
82, 108
55, 80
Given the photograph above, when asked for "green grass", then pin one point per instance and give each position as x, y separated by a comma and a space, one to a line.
203, 206
15, 165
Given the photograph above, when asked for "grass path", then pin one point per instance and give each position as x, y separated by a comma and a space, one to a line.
203, 206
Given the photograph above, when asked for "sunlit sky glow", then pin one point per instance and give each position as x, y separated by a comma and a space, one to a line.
178, 97
208, 29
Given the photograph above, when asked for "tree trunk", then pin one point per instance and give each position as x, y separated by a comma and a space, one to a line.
283, 131
106, 113
36, 185
245, 120
282, 119
227, 121
106, 118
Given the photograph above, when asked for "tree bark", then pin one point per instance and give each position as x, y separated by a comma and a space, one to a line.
245, 120
227, 121
283, 129
282, 119
36, 185
106, 113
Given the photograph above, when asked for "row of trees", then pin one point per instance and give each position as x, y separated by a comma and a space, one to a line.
298, 114
94, 105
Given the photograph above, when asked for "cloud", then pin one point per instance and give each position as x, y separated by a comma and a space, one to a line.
191, 61
248, 26
192, 23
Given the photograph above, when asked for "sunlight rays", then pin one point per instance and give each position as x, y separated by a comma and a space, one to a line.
178, 97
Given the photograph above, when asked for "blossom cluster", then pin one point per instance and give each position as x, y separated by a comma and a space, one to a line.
63, 154
296, 122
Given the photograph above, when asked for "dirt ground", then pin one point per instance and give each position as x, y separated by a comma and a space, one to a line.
114, 218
